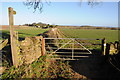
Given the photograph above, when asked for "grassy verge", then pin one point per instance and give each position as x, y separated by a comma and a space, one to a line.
41, 68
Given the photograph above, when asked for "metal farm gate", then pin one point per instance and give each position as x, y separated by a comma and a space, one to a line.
71, 48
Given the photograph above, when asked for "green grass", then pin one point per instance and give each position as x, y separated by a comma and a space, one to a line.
110, 35
40, 69
22, 33
31, 32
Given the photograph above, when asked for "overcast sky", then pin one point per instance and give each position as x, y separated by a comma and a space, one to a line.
64, 13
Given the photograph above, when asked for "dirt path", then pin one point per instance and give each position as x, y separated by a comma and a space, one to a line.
95, 68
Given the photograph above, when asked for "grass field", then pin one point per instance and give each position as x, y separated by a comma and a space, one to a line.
25, 32
110, 35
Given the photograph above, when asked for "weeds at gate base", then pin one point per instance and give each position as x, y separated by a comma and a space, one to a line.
40, 69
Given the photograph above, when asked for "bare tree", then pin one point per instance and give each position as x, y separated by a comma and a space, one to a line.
93, 2
38, 4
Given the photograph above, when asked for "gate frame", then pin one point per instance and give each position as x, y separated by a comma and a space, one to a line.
73, 44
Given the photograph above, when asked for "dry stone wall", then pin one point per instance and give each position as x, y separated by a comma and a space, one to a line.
29, 49
113, 48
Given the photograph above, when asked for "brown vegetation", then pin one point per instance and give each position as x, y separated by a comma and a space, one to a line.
6, 27
90, 27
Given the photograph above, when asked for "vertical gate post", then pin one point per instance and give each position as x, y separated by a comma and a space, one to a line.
73, 50
103, 46
43, 46
12, 37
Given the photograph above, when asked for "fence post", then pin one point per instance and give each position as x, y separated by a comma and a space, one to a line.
43, 46
12, 37
16, 35
108, 49
103, 46
116, 44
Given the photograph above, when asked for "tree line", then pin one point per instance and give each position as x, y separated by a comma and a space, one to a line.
40, 25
